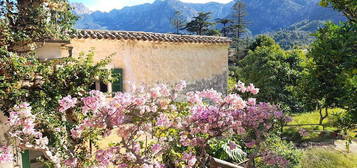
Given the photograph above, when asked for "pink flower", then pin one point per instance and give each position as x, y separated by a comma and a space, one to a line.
6, 154
164, 90
250, 144
156, 148
251, 101
72, 163
212, 95
240, 87
232, 145
94, 101
163, 121
190, 159
105, 157
67, 103
180, 86
76, 133
193, 98
251, 88
155, 92
235, 101
273, 159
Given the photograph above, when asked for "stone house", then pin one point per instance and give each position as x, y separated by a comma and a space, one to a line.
149, 58
144, 58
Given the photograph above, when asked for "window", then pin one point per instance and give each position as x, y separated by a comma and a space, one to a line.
117, 85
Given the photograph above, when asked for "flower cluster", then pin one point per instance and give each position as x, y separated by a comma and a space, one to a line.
5, 154
67, 103
149, 122
23, 129
23, 124
272, 159
249, 89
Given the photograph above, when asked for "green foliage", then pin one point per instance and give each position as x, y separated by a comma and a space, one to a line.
42, 84
285, 149
288, 39
213, 33
200, 24
262, 41
343, 121
327, 158
274, 71
307, 25
220, 149
32, 21
231, 84
224, 22
239, 26
347, 7
330, 79
313, 117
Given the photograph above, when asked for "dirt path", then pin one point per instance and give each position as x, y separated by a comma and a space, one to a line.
341, 146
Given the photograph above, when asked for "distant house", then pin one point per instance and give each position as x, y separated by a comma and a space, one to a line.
149, 58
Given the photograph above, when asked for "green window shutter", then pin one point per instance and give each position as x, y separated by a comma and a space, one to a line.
117, 85
25, 156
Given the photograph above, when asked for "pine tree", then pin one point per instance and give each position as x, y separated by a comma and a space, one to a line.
200, 24
239, 26
178, 21
225, 23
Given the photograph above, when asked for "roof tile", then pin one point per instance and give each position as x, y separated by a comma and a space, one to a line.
147, 36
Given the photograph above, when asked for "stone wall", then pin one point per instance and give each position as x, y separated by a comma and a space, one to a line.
202, 65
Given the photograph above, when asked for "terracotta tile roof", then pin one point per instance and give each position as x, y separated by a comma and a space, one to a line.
146, 36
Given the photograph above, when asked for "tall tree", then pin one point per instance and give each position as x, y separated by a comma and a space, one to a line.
347, 7
239, 26
178, 21
200, 24
28, 21
224, 23
332, 72
273, 70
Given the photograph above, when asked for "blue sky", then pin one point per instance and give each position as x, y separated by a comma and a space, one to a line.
107, 5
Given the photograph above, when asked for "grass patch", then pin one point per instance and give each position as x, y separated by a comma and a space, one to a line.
314, 117
327, 158
316, 133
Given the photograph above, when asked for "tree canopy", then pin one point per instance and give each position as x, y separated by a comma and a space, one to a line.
24, 22
200, 24
332, 75
272, 69
347, 7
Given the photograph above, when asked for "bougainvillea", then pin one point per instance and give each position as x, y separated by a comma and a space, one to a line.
149, 123
5, 154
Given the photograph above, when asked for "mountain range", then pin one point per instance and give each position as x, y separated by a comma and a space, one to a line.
263, 15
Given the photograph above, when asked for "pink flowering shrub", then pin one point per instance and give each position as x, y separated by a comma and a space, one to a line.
5, 154
150, 123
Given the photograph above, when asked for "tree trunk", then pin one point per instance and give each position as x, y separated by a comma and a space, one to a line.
323, 116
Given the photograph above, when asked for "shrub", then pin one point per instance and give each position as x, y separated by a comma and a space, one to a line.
149, 122
327, 158
285, 149
220, 149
